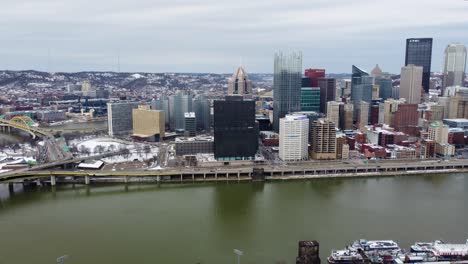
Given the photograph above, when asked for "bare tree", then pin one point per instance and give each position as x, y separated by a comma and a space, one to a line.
147, 150
111, 148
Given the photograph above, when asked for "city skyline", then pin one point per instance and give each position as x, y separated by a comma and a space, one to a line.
152, 37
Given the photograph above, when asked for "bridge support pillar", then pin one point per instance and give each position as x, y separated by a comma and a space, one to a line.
181, 177
193, 176
87, 180
11, 188
126, 179
158, 178
216, 175
53, 180
238, 175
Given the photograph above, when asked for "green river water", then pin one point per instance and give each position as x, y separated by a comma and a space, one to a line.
203, 223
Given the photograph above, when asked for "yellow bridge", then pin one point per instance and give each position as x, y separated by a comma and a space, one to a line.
24, 123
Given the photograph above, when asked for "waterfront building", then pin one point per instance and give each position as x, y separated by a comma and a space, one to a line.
342, 147
361, 89
314, 75
194, 145
327, 92
419, 53
385, 87
454, 65
310, 99
148, 124
293, 137
323, 140
235, 129
239, 84
411, 83
190, 124
333, 113
287, 84
202, 109
312, 116
120, 117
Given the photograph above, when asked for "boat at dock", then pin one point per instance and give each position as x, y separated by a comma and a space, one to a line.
388, 252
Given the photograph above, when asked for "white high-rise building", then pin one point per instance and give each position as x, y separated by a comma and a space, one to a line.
293, 137
454, 65
411, 83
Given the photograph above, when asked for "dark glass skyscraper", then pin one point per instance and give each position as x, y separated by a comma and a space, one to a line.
361, 89
327, 92
235, 129
419, 53
287, 84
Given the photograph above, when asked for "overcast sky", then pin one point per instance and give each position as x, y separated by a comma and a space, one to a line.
217, 35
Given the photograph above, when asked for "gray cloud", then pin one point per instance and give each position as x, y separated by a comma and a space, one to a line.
214, 36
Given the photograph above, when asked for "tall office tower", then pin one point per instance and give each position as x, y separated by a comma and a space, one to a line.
333, 112
323, 140
310, 99
361, 89
314, 75
454, 65
286, 85
148, 124
202, 109
190, 124
180, 104
162, 104
327, 92
119, 117
376, 72
363, 115
346, 116
239, 84
385, 87
293, 137
419, 53
410, 83
235, 130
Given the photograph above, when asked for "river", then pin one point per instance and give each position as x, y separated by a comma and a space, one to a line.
203, 223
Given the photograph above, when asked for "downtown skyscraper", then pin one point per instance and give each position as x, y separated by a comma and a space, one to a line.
287, 84
419, 53
454, 65
361, 89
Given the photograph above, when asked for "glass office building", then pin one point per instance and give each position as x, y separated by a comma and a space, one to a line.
361, 89
310, 99
235, 129
419, 53
287, 83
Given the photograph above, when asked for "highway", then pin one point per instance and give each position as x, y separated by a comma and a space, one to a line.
283, 172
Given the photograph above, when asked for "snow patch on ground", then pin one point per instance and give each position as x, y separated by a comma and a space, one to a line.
136, 149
